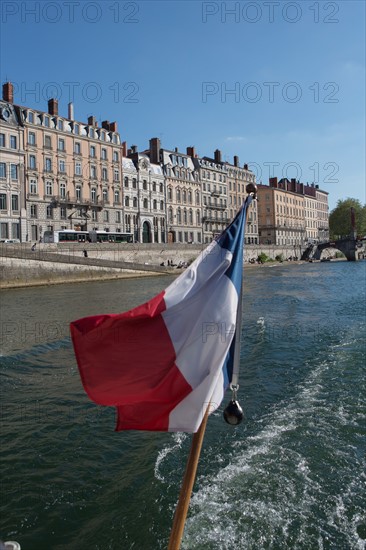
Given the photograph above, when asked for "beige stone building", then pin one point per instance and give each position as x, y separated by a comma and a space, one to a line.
212, 174
237, 179
144, 198
291, 213
281, 213
12, 198
183, 192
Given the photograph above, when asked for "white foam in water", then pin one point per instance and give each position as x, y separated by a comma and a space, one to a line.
177, 440
275, 491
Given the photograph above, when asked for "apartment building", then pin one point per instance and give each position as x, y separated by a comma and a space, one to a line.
288, 212
212, 174
144, 198
13, 223
183, 192
237, 179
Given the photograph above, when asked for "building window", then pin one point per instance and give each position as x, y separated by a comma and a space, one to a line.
15, 202
30, 117
49, 187
3, 205
31, 138
179, 216
77, 148
2, 170
135, 202
105, 216
13, 142
118, 216
14, 172
61, 144
127, 201
63, 212
61, 166
104, 174
116, 196
47, 164
93, 194
115, 156
94, 215
170, 194
104, 154
146, 204
32, 162
144, 185
63, 190
155, 204
92, 151
47, 121
47, 142
78, 192
49, 213
77, 129
33, 211
116, 175
126, 182
4, 231
134, 183
78, 168
33, 187
161, 205
105, 195
161, 188
2, 140
93, 172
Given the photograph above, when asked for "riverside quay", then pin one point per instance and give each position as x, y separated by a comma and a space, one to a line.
61, 174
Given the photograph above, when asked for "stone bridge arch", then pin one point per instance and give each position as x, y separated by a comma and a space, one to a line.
347, 246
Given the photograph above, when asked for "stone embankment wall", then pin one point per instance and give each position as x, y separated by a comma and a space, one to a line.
53, 264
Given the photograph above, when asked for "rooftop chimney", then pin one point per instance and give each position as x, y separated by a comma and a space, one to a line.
8, 92
155, 150
191, 152
236, 161
134, 148
52, 107
124, 148
70, 109
273, 182
113, 126
105, 124
92, 121
246, 167
217, 155
176, 149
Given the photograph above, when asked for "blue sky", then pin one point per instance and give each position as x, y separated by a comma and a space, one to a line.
280, 84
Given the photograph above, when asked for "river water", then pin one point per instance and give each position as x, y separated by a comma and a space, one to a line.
291, 476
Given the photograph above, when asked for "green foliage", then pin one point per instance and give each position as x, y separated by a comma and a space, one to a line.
340, 218
279, 258
263, 258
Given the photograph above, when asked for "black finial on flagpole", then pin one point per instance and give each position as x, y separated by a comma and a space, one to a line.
233, 413
252, 189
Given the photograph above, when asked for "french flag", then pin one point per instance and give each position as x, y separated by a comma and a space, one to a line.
163, 362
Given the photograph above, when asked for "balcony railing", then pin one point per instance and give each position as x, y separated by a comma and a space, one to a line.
59, 200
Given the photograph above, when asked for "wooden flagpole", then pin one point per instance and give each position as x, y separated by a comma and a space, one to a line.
187, 486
